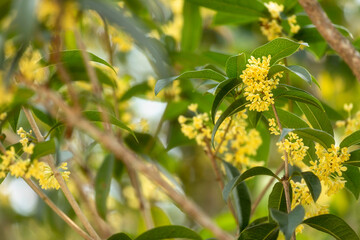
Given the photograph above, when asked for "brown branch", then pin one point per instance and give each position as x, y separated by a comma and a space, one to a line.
332, 36
51, 162
110, 142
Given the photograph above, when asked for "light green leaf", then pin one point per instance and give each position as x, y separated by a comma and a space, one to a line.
42, 149
350, 140
325, 139
333, 226
247, 174
241, 196
295, 72
165, 232
317, 118
235, 107
192, 27
225, 88
224, 18
278, 48
263, 231
96, 116
250, 8
288, 222
102, 184
235, 65
202, 74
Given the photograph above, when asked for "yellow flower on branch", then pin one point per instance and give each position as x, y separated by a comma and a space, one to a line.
295, 149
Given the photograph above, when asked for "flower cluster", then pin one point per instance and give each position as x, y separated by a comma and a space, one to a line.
233, 141
273, 128
329, 167
271, 27
31, 68
12, 163
295, 149
258, 86
352, 123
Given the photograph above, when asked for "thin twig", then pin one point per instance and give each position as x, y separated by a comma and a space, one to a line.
129, 158
51, 162
334, 38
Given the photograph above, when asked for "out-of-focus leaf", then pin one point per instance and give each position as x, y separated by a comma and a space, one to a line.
333, 226
192, 27
224, 18
174, 109
288, 222
42, 116
255, 171
102, 184
119, 236
354, 159
278, 49
135, 90
42, 149
352, 177
202, 74
165, 232
241, 196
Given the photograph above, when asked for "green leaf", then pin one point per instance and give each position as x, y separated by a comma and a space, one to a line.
325, 139
313, 184
332, 225
13, 117
135, 90
295, 72
354, 159
299, 96
247, 174
102, 184
202, 74
235, 65
42, 116
263, 231
317, 118
352, 177
350, 140
96, 116
119, 236
225, 88
241, 196
172, 231
332, 113
192, 27
245, 7
277, 198
74, 57
174, 109
288, 222
224, 18
235, 107
278, 48
42, 149
287, 119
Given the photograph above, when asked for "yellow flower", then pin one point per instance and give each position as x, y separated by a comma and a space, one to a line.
19, 168
144, 125
193, 107
273, 127
294, 27
348, 107
48, 181
295, 149
270, 28
182, 119
274, 9
3, 116
257, 85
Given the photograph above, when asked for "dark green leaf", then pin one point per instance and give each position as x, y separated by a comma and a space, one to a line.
354, 159
263, 231
350, 140
332, 225
241, 196
235, 65
235, 107
317, 118
13, 117
172, 231
277, 198
288, 222
202, 74
225, 88
299, 96
250, 8
42, 149
331, 112
174, 109
74, 57
44, 117
352, 177
135, 90
102, 184
97, 117
325, 139
278, 48
192, 27
295, 72
247, 174
313, 184
119, 236
287, 119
